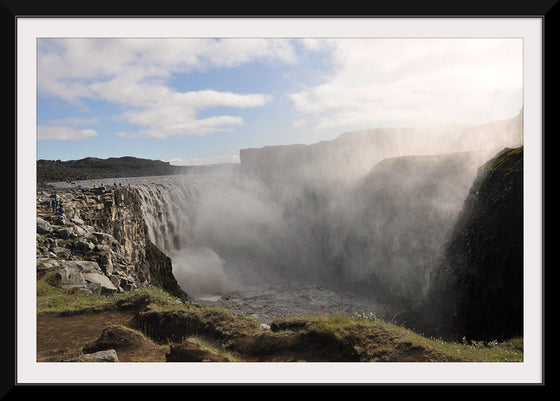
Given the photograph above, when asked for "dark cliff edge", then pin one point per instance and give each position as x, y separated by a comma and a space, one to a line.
477, 290
403, 212
91, 168
410, 192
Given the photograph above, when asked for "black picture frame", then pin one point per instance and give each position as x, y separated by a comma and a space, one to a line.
11, 10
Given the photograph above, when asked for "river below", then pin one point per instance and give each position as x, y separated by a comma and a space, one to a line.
266, 302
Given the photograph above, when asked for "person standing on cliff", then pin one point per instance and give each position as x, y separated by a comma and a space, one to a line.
53, 204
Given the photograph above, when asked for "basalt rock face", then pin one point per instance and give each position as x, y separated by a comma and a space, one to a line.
373, 208
99, 244
477, 290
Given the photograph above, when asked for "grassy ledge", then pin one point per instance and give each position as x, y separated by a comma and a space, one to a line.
240, 338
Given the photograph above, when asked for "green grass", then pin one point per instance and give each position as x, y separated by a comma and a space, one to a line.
347, 329
51, 297
212, 348
509, 161
356, 330
507, 351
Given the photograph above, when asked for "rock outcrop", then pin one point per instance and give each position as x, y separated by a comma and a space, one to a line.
99, 244
477, 290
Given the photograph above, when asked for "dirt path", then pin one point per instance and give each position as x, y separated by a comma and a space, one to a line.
62, 337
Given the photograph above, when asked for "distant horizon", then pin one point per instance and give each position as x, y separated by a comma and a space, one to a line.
208, 161
199, 101
133, 157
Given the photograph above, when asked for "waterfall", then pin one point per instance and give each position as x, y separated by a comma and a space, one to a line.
177, 221
169, 209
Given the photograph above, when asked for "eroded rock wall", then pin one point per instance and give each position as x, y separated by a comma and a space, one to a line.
99, 244
477, 290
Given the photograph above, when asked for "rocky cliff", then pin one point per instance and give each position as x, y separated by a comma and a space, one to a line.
353, 154
477, 289
377, 209
99, 244
402, 213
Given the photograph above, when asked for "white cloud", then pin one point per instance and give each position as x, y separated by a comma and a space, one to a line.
74, 121
375, 82
64, 133
181, 127
175, 114
133, 73
380, 82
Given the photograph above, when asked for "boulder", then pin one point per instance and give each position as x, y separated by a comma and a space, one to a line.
109, 355
86, 274
70, 274
104, 238
43, 227
46, 262
99, 283
77, 221
62, 252
83, 245
79, 231
67, 232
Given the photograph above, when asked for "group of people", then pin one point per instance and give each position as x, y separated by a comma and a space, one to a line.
57, 206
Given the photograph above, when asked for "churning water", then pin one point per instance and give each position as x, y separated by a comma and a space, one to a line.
220, 232
324, 238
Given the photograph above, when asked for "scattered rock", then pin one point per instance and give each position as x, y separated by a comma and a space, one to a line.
99, 283
100, 244
109, 355
83, 245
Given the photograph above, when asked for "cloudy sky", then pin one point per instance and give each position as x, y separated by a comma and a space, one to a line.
196, 101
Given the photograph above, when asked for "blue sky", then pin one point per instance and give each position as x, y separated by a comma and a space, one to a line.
201, 100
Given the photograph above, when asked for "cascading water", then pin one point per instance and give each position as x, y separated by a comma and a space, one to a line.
168, 207
299, 247
233, 244
171, 208
303, 250
298, 235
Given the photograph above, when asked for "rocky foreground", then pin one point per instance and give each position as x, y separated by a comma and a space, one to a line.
99, 244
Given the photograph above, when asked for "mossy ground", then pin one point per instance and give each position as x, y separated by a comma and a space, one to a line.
68, 321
